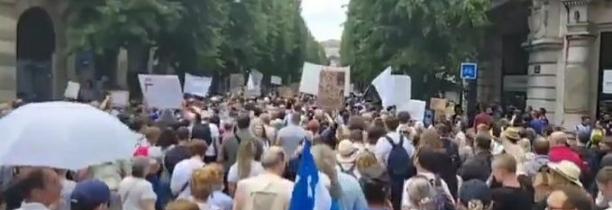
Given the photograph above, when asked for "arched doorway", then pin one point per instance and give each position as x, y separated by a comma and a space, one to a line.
35, 47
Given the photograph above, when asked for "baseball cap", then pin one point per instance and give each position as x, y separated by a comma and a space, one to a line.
89, 194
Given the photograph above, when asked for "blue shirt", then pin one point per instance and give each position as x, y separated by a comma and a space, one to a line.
221, 200
538, 125
352, 195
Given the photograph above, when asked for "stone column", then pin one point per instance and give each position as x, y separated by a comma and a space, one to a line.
579, 42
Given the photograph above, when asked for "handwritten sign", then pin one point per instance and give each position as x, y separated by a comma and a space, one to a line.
161, 91
331, 89
197, 85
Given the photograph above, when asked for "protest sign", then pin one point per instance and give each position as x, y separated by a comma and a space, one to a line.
254, 84
331, 89
197, 85
437, 104
311, 73
393, 90
276, 80
309, 83
416, 108
72, 90
236, 83
120, 98
161, 91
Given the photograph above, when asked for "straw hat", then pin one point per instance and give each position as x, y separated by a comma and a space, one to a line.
567, 170
347, 152
512, 133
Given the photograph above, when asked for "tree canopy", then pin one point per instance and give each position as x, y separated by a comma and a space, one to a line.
421, 38
214, 37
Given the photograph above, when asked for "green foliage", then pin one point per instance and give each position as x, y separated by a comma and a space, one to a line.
417, 37
200, 36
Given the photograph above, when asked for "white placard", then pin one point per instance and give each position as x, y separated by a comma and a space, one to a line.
197, 85
276, 80
607, 82
120, 98
161, 91
416, 108
309, 83
402, 89
72, 90
254, 83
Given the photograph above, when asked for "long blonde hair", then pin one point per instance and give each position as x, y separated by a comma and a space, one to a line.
245, 157
421, 193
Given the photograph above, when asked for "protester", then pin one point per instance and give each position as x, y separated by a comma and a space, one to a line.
426, 161
67, 188
444, 166
346, 158
290, 136
40, 189
135, 191
230, 147
512, 194
344, 188
569, 198
604, 184
246, 166
484, 118
182, 204
268, 190
180, 151
202, 185
474, 195
394, 151
376, 192
479, 165
559, 151
179, 182
541, 148
90, 195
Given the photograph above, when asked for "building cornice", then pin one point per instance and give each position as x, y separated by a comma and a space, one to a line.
573, 3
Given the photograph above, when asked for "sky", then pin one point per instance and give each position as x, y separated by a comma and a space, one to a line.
324, 18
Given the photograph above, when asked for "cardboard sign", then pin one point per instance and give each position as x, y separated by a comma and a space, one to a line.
311, 74
197, 85
437, 104
236, 83
331, 89
416, 108
120, 98
276, 80
72, 90
161, 91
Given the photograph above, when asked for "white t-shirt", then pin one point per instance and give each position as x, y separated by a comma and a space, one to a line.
182, 174
203, 205
233, 177
214, 133
135, 190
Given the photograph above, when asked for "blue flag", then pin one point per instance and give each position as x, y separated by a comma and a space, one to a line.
309, 192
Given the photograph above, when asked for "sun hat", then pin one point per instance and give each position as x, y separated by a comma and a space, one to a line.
347, 152
90, 194
512, 133
567, 170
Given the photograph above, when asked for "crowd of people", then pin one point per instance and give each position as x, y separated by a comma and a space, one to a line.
244, 154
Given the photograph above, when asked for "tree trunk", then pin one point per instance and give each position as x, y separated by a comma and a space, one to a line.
136, 53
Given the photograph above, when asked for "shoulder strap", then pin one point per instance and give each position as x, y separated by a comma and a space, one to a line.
238, 138
390, 140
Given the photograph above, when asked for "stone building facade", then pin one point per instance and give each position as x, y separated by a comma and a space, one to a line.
565, 48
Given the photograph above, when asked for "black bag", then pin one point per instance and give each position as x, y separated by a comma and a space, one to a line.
399, 163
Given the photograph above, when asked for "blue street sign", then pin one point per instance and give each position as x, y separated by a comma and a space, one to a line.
469, 71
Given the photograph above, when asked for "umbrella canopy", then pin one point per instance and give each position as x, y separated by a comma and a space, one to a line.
63, 135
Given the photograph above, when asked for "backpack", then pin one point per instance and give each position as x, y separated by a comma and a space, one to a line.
399, 163
350, 171
441, 199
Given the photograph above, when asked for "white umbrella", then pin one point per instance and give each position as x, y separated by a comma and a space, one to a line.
63, 135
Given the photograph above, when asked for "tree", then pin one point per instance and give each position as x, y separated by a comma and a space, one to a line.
420, 38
